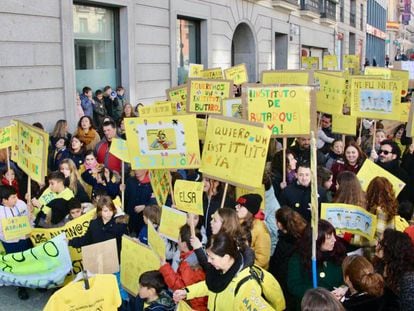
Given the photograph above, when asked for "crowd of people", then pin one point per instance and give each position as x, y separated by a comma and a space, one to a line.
239, 251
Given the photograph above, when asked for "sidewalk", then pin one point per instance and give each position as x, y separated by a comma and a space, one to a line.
10, 301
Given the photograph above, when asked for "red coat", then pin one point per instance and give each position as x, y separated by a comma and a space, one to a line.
14, 184
185, 275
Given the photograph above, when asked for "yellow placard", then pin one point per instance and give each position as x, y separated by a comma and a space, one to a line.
178, 98
370, 170
375, 98
378, 71
410, 124
163, 142
233, 108
206, 96
15, 227
6, 137
242, 191
350, 218
331, 95
299, 77
388, 73
285, 110
171, 222
404, 111
189, 196
235, 151
330, 62
212, 73
160, 183
310, 63
201, 128
136, 259
119, 149
155, 241
195, 71
351, 64
343, 124
183, 306
237, 73
32, 151
159, 109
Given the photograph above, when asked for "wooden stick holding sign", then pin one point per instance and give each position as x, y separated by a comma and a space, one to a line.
360, 130
191, 223
8, 165
224, 195
123, 183
343, 139
171, 190
284, 159
374, 129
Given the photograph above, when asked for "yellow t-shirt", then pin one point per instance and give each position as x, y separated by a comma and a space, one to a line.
103, 294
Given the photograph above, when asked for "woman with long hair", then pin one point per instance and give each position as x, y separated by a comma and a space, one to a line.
87, 133
128, 111
73, 180
60, 130
77, 151
349, 190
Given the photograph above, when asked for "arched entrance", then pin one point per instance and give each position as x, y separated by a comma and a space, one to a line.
243, 50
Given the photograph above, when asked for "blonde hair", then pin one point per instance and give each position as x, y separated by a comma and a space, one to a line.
74, 176
60, 129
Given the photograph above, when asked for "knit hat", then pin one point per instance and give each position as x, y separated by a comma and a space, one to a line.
251, 201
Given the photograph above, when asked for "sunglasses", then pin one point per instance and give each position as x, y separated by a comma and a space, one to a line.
386, 152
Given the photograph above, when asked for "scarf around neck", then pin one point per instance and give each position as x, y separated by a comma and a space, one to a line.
217, 281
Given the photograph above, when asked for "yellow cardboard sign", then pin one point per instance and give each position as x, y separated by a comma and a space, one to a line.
159, 109
375, 98
285, 110
155, 241
6, 136
350, 218
183, 306
188, 196
242, 191
136, 259
378, 71
331, 95
388, 73
404, 111
212, 73
233, 108
370, 170
171, 222
195, 71
330, 62
235, 151
206, 96
343, 124
32, 152
178, 98
160, 183
201, 128
163, 142
119, 149
352, 64
15, 227
299, 77
310, 63
410, 124
237, 73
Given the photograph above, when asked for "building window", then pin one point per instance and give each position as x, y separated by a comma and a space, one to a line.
341, 10
361, 17
352, 14
188, 46
95, 38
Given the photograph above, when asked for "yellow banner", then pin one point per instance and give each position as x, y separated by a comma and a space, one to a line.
388, 73
299, 77
310, 63
235, 151
159, 109
375, 98
212, 73
233, 108
330, 62
343, 124
370, 170
285, 110
163, 142
171, 222
242, 191
206, 96
237, 73
352, 64
6, 137
136, 259
178, 98
195, 71
201, 128
119, 149
160, 183
331, 95
15, 227
350, 218
155, 241
188, 196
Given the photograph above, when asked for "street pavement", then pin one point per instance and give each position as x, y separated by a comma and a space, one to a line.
10, 301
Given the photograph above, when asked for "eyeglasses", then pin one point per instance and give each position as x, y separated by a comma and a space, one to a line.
386, 152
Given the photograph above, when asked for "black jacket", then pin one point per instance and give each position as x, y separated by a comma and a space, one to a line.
363, 302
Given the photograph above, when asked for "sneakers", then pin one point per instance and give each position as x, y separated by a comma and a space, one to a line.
22, 293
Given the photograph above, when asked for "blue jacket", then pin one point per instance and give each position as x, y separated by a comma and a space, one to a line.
87, 105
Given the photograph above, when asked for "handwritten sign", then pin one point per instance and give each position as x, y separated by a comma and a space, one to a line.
235, 151
205, 96
285, 110
171, 222
119, 149
189, 196
330, 62
163, 142
233, 108
6, 137
159, 109
388, 73
343, 124
242, 191
331, 95
101, 257
310, 63
237, 73
155, 241
201, 128
299, 77
160, 183
212, 73
351, 64
195, 71
16, 227
178, 98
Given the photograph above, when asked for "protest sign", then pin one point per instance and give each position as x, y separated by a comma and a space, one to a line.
188, 196
375, 98
410, 124
156, 110
237, 73
330, 62
33, 146
171, 222
206, 96
331, 95
178, 98
136, 259
343, 124
163, 142
235, 151
261, 191
233, 108
285, 110
6, 137
409, 66
310, 63
404, 111
212, 73
350, 218
119, 149
155, 241
299, 77
44, 266
72, 229
370, 170
195, 71
101, 258
351, 64
201, 128
388, 73
15, 227
160, 183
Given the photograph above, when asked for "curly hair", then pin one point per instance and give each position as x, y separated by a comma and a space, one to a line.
380, 193
349, 190
291, 221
